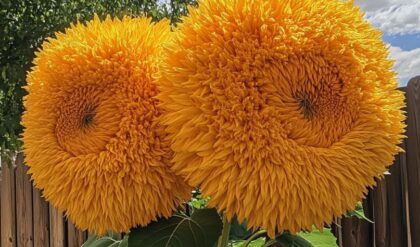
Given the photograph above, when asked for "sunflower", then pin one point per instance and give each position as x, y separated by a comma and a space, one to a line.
92, 138
283, 112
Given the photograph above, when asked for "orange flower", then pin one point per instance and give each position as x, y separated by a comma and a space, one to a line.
283, 112
93, 141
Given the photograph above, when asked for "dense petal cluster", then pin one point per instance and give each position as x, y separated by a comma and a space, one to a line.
282, 111
92, 138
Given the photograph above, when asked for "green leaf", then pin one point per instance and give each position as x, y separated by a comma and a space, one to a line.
359, 213
201, 229
101, 242
320, 239
113, 235
124, 242
89, 241
289, 240
259, 242
115, 244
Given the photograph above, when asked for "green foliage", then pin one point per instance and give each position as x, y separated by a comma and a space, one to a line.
358, 212
315, 238
201, 229
241, 237
289, 240
106, 241
198, 202
320, 239
259, 242
25, 24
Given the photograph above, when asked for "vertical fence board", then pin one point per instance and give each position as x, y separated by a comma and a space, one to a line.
75, 237
380, 213
397, 232
353, 233
8, 219
24, 223
368, 227
405, 198
41, 220
57, 238
413, 157
336, 230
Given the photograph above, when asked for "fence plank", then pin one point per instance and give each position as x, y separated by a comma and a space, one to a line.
353, 233
57, 238
406, 202
75, 237
41, 220
337, 231
369, 228
24, 225
396, 222
380, 213
8, 219
413, 157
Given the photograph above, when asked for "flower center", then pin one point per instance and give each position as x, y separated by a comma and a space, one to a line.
306, 106
87, 119
88, 116
322, 107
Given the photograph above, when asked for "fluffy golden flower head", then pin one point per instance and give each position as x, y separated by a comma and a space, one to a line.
92, 137
282, 111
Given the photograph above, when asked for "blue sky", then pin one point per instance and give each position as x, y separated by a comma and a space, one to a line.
399, 21
406, 42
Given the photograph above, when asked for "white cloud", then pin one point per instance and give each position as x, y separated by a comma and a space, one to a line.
374, 5
394, 17
397, 20
397, 17
407, 63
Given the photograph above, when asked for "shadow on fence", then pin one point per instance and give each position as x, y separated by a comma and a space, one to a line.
394, 205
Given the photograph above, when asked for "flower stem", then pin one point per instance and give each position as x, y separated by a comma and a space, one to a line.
224, 238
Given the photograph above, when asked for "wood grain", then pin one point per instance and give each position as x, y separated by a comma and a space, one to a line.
413, 157
24, 224
57, 238
353, 232
396, 215
41, 220
8, 216
75, 237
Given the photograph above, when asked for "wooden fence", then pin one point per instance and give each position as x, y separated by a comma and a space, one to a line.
26, 219
394, 205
